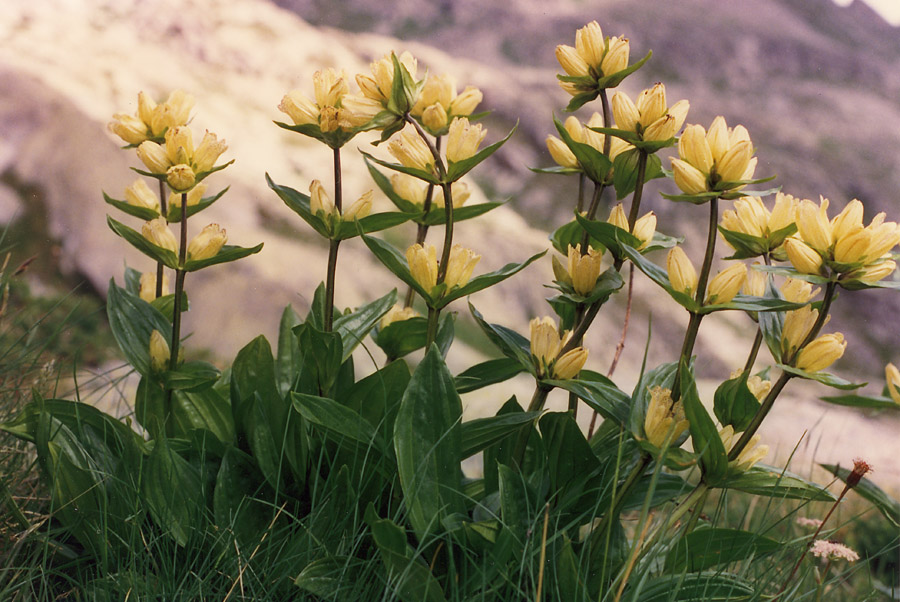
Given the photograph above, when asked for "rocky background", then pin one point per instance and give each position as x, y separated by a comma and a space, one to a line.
816, 85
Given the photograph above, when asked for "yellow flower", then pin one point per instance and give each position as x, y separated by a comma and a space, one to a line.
718, 156
181, 177
616, 57
821, 353
409, 188
546, 343
397, 314
411, 151
875, 272
208, 243
423, 265
749, 216
892, 380
682, 274
759, 387
650, 116
593, 55
618, 218
726, 284
140, 195
160, 354
299, 108
798, 291
579, 133
319, 202
129, 128
463, 139
438, 103
784, 213
570, 364
644, 229
157, 231
589, 44
193, 197
466, 102
571, 61
749, 456
154, 157
152, 119
584, 269
378, 86
208, 152
755, 285
147, 290
359, 110
687, 177
561, 153
797, 325
361, 208
460, 266
665, 420
802, 256
813, 225
848, 221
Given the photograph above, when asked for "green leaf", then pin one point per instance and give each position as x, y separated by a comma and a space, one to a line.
567, 573
337, 419
700, 587
734, 404
371, 223
887, 505
594, 163
570, 459
438, 216
395, 262
132, 321
487, 373
480, 433
705, 548
354, 327
457, 170
571, 234
377, 397
299, 204
137, 240
237, 503
704, 435
174, 213
609, 235
426, 176
172, 487
384, 184
745, 245
166, 304
485, 280
660, 277
289, 359
614, 79
513, 503
405, 336
334, 139
428, 444
777, 483
509, 342
600, 393
332, 577
226, 254
323, 355
754, 304
864, 401
253, 371
579, 100
202, 409
666, 488
822, 377
191, 376
771, 324
144, 213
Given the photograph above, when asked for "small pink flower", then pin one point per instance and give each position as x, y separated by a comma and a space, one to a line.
833, 550
812, 523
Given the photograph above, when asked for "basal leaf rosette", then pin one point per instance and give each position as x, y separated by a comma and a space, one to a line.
595, 63
842, 249
714, 163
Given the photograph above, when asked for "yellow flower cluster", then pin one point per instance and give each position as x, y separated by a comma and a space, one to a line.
546, 343
204, 245
723, 287
713, 160
819, 353
178, 159
650, 117
327, 110
152, 120
439, 103
644, 226
749, 456
423, 265
563, 155
665, 420
581, 271
842, 245
593, 56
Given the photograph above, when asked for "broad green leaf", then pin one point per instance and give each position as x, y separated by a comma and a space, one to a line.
132, 321
704, 434
426, 176
166, 304
500, 452
299, 204
289, 359
172, 488
202, 409
428, 444
609, 235
237, 497
402, 337
777, 483
137, 240
513, 503
570, 459
323, 355
377, 397
226, 254
438, 216
385, 185
754, 304
337, 419
191, 376
595, 165
601, 395
705, 548
864, 401
772, 323
487, 373
567, 573
480, 433
396, 263
699, 587
571, 234
509, 342
485, 280
826, 378
253, 371
354, 327
666, 488
144, 213
335, 139
371, 223
457, 170
734, 404
332, 577
888, 506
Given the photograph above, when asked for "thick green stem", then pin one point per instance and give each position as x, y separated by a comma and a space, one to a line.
333, 245
604, 107
754, 351
433, 315
591, 213
760, 415
179, 288
579, 206
537, 402
422, 229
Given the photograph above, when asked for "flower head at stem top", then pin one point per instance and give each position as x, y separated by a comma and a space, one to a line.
546, 344
182, 164
463, 139
582, 133
152, 120
336, 120
593, 58
715, 160
581, 270
644, 226
650, 117
423, 265
439, 104
411, 151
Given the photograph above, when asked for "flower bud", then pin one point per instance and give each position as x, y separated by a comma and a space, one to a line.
361, 208
756, 283
154, 157
179, 145
885, 236
571, 61
545, 342
693, 148
726, 284
663, 128
892, 382
644, 229
625, 112
397, 314
147, 290
717, 138
848, 221
682, 274
140, 195
299, 108
434, 117
160, 354
129, 128
798, 291
208, 243
784, 213
423, 265
802, 257
733, 164
687, 177
411, 151
618, 218
407, 187
616, 57
570, 364
178, 108
590, 45
813, 224
460, 265
860, 469
466, 102
561, 153
319, 202
584, 269
821, 353
665, 420
181, 177
651, 104
749, 456
853, 247
463, 139
797, 325
157, 231
208, 152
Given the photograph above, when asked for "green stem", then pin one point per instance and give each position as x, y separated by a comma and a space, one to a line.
693, 497
537, 402
422, 229
760, 415
638, 190
333, 245
591, 213
754, 351
433, 315
179, 288
163, 202
622, 492
579, 206
695, 515
604, 107
830, 290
